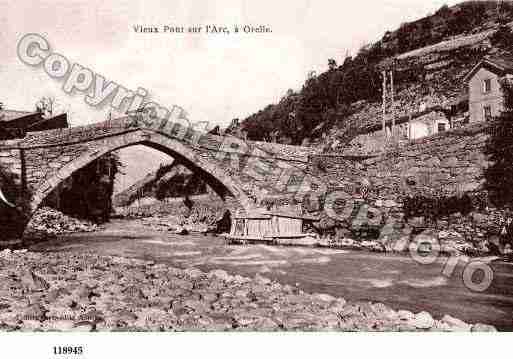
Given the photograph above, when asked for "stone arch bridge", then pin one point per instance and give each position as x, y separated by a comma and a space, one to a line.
245, 174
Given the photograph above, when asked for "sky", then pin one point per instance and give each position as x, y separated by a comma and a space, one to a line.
214, 77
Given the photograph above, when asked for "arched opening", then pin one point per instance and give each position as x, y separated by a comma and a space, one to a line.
226, 187
169, 186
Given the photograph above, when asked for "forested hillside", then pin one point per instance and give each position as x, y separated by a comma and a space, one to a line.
170, 180
430, 56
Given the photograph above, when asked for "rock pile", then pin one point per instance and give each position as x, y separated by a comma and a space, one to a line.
62, 292
171, 223
203, 215
380, 225
47, 222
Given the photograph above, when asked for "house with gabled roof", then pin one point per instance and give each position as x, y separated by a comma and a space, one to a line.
485, 92
16, 124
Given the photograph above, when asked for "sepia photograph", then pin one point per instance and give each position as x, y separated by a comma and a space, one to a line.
227, 171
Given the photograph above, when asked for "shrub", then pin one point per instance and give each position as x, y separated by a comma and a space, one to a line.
437, 207
499, 176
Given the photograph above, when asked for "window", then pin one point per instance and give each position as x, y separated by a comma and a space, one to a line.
441, 127
487, 85
487, 111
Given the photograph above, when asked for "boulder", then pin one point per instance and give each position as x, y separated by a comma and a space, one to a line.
193, 273
479, 219
325, 223
432, 162
240, 279
262, 280
49, 221
456, 324
347, 242
6, 253
389, 203
373, 246
471, 186
337, 305
449, 162
86, 292
423, 320
242, 293
401, 245
325, 297
482, 328
34, 282
181, 231
60, 325
405, 315
55, 294
35, 312
417, 222
83, 326
220, 274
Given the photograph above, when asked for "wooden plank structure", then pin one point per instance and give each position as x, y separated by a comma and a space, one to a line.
268, 226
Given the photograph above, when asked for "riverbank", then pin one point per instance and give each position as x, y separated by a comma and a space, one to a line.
64, 291
212, 217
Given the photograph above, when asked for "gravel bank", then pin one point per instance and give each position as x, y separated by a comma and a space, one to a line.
63, 292
48, 222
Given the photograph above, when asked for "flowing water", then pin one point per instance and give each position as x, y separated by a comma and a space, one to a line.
396, 280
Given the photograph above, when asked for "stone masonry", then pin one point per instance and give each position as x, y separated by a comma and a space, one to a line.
249, 174
243, 173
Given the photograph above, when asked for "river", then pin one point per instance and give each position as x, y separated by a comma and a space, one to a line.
396, 280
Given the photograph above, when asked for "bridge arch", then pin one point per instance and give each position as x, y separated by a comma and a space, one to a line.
228, 187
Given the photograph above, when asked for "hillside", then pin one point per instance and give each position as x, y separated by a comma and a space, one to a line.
172, 180
429, 56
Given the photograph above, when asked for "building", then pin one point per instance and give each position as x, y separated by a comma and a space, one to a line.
416, 125
485, 93
276, 226
16, 124
427, 123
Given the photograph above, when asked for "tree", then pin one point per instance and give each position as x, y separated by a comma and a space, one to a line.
443, 11
88, 193
46, 106
49, 106
332, 64
499, 176
503, 37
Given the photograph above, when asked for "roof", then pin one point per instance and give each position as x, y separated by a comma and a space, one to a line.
9, 115
498, 64
252, 215
262, 214
40, 124
16, 124
402, 119
289, 214
458, 101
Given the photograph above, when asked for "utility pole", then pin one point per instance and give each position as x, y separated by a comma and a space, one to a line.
384, 104
499, 11
392, 100
409, 127
108, 125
